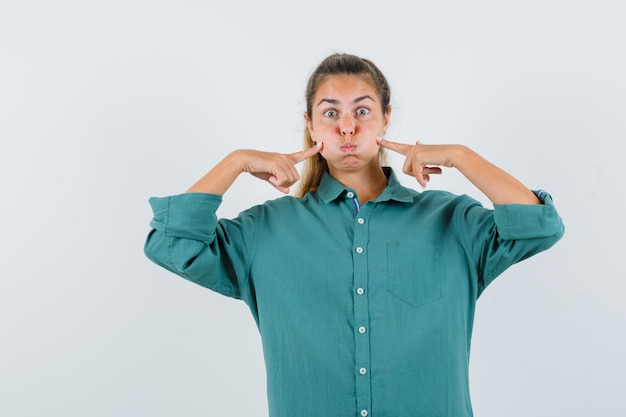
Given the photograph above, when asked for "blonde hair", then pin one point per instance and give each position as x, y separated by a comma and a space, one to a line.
336, 64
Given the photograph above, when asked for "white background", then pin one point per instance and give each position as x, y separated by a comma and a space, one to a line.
106, 103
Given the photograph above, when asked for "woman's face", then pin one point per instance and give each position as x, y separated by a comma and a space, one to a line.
347, 117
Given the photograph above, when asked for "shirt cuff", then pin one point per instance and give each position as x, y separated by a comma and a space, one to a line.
541, 195
528, 221
189, 215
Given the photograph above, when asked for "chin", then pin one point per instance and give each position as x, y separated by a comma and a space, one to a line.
351, 162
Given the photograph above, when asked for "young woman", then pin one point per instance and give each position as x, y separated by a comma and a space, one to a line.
363, 290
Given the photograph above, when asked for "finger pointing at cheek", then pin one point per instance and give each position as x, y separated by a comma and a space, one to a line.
300, 156
400, 148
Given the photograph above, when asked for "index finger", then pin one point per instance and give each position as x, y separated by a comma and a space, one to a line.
401, 148
300, 156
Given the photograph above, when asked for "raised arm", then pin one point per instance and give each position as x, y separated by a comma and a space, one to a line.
188, 239
276, 168
424, 160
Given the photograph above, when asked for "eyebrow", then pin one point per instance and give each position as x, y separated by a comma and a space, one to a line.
334, 101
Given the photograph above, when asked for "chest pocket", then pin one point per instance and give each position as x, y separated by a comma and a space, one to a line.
414, 271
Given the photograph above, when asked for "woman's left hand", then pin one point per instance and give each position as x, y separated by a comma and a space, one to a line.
422, 160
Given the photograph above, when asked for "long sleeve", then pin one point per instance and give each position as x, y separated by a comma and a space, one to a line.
508, 234
187, 239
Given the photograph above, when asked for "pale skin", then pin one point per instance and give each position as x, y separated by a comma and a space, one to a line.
348, 122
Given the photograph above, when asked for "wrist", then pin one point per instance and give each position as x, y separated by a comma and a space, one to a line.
236, 161
459, 155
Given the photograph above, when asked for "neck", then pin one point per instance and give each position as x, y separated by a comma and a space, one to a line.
368, 182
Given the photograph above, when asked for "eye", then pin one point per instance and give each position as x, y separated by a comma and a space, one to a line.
362, 111
330, 113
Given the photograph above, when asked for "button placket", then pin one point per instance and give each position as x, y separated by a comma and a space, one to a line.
361, 310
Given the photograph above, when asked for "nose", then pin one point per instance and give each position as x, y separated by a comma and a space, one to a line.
347, 125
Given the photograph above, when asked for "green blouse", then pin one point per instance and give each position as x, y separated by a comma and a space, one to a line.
362, 310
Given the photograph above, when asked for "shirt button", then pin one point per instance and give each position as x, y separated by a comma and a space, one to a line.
360, 291
350, 194
362, 371
362, 329
364, 413
359, 250
361, 221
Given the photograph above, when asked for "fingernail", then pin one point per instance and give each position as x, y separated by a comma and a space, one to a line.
378, 138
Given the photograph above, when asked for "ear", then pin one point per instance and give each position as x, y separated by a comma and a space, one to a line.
309, 125
387, 116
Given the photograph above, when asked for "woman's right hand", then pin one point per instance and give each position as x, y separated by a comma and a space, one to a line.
276, 168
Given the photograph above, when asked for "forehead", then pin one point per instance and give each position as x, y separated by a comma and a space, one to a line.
345, 86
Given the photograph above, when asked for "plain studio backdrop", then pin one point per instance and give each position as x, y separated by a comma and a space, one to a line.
106, 103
